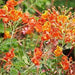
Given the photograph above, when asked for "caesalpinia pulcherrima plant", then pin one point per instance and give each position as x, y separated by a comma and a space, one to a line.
40, 40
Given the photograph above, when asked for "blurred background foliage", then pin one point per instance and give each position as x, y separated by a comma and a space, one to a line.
27, 5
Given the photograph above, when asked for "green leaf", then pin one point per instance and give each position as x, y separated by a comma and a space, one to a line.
13, 71
6, 44
18, 65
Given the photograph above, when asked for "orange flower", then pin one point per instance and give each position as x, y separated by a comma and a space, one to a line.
62, 18
7, 35
32, 21
67, 39
45, 15
25, 18
38, 27
39, 24
35, 61
56, 32
45, 37
10, 4
7, 66
15, 15
65, 63
2, 13
58, 51
41, 21
46, 26
7, 58
64, 58
9, 55
37, 53
37, 56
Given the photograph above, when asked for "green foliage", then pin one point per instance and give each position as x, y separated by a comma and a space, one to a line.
1, 27
13, 71
45, 4
18, 65
66, 3
71, 3
6, 45
38, 4
30, 40
1, 2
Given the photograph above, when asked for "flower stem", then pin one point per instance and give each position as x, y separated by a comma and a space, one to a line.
29, 68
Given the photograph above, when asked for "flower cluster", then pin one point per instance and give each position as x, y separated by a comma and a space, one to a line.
37, 56
9, 56
65, 63
53, 25
29, 24
8, 12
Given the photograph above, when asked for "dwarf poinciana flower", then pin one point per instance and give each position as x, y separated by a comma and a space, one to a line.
32, 21
45, 15
12, 3
38, 27
65, 63
15, 15
35, 61
8, 12
45, 36
2, 12
25, 18
41, 20
7, 35
58, 51
37, 53
37, 56
7, 66
9, 55
46, 26
62, 18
